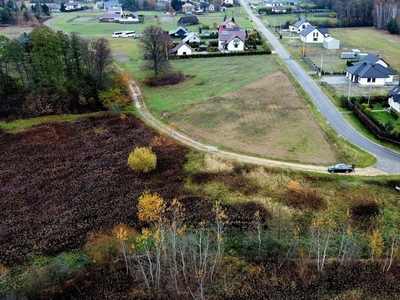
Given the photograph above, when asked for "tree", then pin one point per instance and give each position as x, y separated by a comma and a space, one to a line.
155, 44
176, 5
392, 26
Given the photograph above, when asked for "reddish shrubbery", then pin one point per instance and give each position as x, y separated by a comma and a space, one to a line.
303, 198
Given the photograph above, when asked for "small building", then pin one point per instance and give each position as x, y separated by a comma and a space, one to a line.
331, 43
181, 49
347, 55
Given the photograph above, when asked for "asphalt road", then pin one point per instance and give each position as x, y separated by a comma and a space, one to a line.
388, 161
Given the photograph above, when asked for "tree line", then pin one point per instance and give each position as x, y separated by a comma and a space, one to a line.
48, 72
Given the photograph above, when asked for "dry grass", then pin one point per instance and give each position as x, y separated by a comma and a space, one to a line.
216, 163
268, 118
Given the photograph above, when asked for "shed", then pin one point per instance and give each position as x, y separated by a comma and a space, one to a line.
348, 55
331, 43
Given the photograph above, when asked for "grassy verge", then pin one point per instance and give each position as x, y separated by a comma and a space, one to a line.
27, 123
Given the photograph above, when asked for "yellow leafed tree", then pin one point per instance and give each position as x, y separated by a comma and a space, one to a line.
142, 160
150, 207
376, 243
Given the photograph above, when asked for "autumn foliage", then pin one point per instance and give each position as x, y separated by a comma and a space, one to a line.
142, 159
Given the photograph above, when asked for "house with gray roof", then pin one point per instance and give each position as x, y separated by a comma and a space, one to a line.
394, 98
369, 71
312, 34
299, 25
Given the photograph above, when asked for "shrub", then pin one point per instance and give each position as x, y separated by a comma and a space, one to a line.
303, 199
364, 207
142, 160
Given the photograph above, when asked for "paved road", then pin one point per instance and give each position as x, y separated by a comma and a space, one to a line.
388, 161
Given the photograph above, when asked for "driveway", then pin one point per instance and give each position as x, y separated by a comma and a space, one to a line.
336, 79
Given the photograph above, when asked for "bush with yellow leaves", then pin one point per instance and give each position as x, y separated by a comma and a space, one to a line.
142, 160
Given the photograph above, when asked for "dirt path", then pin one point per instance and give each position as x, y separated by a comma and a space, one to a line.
157, 124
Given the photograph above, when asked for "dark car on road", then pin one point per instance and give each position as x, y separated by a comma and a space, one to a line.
341, 168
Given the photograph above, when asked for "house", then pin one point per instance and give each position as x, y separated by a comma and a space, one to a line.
394, 98
366, 72
227, 2
279, 9
181, 49
114, 14
192, 37
331, 43
179, 32
187, 7
271, 3
231, 40
228, 25
72, 5
131, 18
54, 7
311, 34
299, 25
110, 4
211, 7
188, 20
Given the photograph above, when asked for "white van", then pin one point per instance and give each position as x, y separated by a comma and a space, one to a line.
123, 34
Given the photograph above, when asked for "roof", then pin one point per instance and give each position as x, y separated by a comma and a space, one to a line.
180, 30
324, 31
300, 22
395, 93
111, 3
188, 20
189, 36
228, 25
372, 58
227, 36
331, 39
306, 31
177, 47
111, 16
369, 70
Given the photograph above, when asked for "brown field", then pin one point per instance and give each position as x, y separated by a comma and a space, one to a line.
266, 118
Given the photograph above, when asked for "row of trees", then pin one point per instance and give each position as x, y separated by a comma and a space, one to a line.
47, 72
169, 255
10, 13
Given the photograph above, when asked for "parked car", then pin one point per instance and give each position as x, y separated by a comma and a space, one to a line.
341, 168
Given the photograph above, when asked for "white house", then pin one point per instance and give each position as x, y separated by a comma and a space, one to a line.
394, 98
227, 2
211, 7
367, 73
311, 34
181, 49
299, 25
72, 5
192, 37
229, 41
